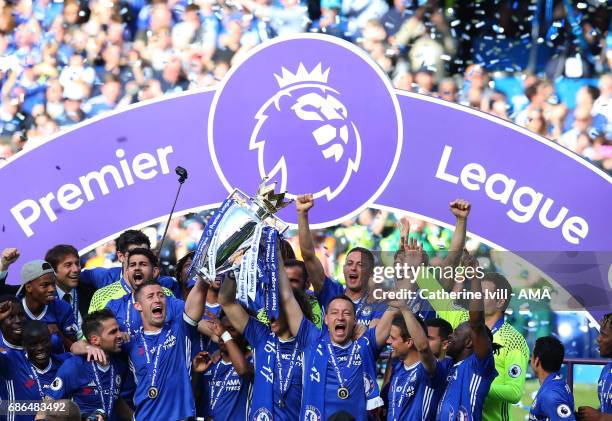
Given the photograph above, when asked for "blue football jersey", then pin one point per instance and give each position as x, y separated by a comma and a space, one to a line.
128, 318
554, 401
225, 392
171, 348
365, 312
468, 383
57, 312
265, 344
412, 392
24, 382
604, 389
350, 359
91, 386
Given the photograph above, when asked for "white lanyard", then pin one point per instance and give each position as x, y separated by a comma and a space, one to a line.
106, 409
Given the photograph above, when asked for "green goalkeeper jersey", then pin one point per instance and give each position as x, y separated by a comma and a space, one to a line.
511, 361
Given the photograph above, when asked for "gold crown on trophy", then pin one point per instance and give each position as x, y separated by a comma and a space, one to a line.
266, 197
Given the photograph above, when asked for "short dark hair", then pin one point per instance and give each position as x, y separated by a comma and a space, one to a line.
10, 298
180, 264
33, 328
606, 322
345, 298
131, 237
286, 250
57, 253
550, 351
291, 263
500, 282
444, 327
400, 323
92, 323
367, 259
147, 253
143, 285
302, 300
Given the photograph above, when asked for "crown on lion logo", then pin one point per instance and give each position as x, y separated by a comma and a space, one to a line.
302, 75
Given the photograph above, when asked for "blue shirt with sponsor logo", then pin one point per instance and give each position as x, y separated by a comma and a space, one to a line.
265, 344
413, 393
365, 312
174, 397
554, 401
468, 383
23, 381
90, 390
604, 389
59, 313
225, 392
311, 340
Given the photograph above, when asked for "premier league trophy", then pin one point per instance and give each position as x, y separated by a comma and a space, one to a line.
241, 238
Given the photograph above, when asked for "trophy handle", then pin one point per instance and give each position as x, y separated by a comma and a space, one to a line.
269, 219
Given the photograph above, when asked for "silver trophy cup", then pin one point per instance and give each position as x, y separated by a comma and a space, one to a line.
230, 232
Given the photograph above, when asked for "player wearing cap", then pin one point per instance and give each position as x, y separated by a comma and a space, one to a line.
40, 303
94, 386
554, 400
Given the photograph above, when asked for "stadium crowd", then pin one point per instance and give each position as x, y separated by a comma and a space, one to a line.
129, 343
66, 61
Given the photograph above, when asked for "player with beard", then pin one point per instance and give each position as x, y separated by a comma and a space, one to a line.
604, 386
141, 266
554, 400
337, 369
28, 372
11, 329
110, 282
228, 379
278, 364
40, 303
95, 386
472, 369
160, 353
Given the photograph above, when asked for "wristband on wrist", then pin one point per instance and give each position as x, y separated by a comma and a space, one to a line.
226, 336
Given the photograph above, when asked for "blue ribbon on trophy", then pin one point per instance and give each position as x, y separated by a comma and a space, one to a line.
242, 237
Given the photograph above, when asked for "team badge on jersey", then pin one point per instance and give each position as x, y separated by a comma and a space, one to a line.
262, 414
312, 414
367, 310
462, 414
564, 411
514, 371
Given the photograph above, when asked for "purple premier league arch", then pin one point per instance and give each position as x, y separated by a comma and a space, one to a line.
317, 115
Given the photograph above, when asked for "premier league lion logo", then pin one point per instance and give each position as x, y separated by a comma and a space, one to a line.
323, 135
